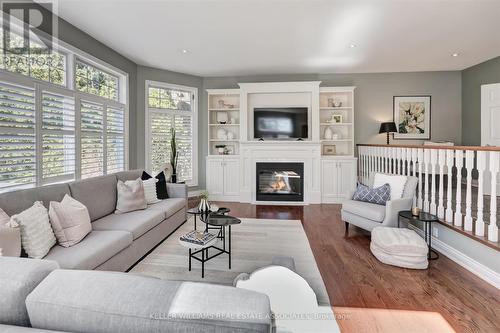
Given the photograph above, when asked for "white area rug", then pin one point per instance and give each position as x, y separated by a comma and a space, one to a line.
254, 243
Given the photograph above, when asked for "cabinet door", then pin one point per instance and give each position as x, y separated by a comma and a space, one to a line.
231, 177
215, 176
347, 177
329, 178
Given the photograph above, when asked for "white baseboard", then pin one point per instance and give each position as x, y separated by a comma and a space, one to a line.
463, 260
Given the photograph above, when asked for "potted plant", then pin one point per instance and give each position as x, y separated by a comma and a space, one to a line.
221, 149
204, 206
174, 155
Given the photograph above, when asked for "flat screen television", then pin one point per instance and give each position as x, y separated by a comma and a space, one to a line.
280, 123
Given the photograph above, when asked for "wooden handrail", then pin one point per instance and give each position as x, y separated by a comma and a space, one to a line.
473, 148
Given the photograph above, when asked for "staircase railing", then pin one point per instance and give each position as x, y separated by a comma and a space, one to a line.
459, 184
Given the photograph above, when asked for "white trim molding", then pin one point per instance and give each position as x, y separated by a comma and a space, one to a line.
473, 266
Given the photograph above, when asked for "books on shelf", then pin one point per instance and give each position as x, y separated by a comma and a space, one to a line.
198, 237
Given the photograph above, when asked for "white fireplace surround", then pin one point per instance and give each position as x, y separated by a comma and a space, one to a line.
252, 151
221, 169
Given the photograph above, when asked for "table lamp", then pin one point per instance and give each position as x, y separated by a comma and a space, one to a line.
389, 127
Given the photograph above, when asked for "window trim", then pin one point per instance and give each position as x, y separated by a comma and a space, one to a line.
194, 112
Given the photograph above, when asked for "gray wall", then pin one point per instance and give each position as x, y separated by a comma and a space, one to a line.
373, 100
79, 39
153, 74
472, 79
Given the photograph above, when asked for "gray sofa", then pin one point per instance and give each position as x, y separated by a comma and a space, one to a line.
36, 296
117, 241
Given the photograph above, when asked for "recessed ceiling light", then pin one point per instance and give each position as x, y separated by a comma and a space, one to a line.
455, 54
184, 51
352, 46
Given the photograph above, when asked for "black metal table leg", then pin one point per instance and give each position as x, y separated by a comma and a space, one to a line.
229, 252
202, 263
195, 222
190, 259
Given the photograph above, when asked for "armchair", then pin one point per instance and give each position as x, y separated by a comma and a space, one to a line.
368, 216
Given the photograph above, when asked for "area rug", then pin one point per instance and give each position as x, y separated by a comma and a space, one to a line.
254, 243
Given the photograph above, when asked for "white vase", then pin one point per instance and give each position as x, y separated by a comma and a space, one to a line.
221, 134
328, 135
230, 135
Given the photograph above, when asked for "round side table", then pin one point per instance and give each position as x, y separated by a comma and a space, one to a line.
426, 219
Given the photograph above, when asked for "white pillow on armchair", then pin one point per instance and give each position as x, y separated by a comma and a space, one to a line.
397, 184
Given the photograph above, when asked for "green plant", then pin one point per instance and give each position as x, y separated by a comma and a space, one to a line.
220, 146
204, 195
174, 153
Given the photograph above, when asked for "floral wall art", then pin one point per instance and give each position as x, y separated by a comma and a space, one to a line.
412, 115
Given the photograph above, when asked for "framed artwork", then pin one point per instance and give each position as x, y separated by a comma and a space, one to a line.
329, 150
412, 115
337, 118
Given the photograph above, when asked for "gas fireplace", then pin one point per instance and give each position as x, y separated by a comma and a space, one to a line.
280, 182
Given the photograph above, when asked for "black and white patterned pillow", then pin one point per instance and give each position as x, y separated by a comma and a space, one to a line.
379, 195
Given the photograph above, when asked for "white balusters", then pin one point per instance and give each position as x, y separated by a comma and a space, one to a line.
413, 166
450, 154
397, 165
481, 165
459, 160
427, 160
420, 158
433, 206
469, 165
494, 168
387, 158
441, 163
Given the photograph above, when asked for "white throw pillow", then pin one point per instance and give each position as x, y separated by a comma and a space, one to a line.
397, 184
150, 190
70, 221
130, 196
37, 236
10, 236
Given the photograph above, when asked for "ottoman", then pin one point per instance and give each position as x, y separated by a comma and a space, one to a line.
399, 247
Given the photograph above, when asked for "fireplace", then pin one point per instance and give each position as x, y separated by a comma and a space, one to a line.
280, 182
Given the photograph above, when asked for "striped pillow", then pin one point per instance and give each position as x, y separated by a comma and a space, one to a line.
37, 236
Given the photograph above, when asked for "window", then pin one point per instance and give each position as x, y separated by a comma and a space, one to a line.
95, 81
92, 125
115, 139
58, 138
35, 60
17, 137
171, 106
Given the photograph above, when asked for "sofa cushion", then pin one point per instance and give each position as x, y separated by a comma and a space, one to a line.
399, 241
19, 329
93, 301
17, 201
128, 175
379, 195
18, 277
137, 223
366, 210
169, 206
70, 221
97, 194
95, 249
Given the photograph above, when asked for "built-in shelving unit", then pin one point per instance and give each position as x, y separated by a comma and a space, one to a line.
336, 112
224, 120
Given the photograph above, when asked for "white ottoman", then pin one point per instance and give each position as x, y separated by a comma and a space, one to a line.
399, 247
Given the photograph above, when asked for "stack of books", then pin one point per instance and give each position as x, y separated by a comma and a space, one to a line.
198, 237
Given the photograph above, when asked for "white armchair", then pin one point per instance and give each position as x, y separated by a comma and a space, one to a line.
368, 216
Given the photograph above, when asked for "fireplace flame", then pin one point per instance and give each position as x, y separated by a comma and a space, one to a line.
279, 184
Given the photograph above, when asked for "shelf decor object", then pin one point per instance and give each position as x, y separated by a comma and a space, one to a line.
388, 127
223, 120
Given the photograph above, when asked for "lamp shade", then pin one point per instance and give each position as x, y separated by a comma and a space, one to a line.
389, 127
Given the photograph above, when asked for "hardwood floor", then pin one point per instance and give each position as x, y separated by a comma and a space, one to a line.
374, 297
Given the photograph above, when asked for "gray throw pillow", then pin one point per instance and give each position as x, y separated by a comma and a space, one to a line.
379, 195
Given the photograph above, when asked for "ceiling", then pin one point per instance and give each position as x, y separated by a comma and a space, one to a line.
249, 37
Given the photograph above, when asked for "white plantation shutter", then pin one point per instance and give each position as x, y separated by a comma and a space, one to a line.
17, 137
92, 139
169, 107
115, 139
184, 135
159, 135
58, 138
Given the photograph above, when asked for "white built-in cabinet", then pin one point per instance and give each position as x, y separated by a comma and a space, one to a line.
223, 178
338, 179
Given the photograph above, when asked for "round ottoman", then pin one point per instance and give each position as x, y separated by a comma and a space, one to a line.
399, 247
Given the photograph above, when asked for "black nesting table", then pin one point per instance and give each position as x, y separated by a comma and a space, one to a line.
426, 219
214, 221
